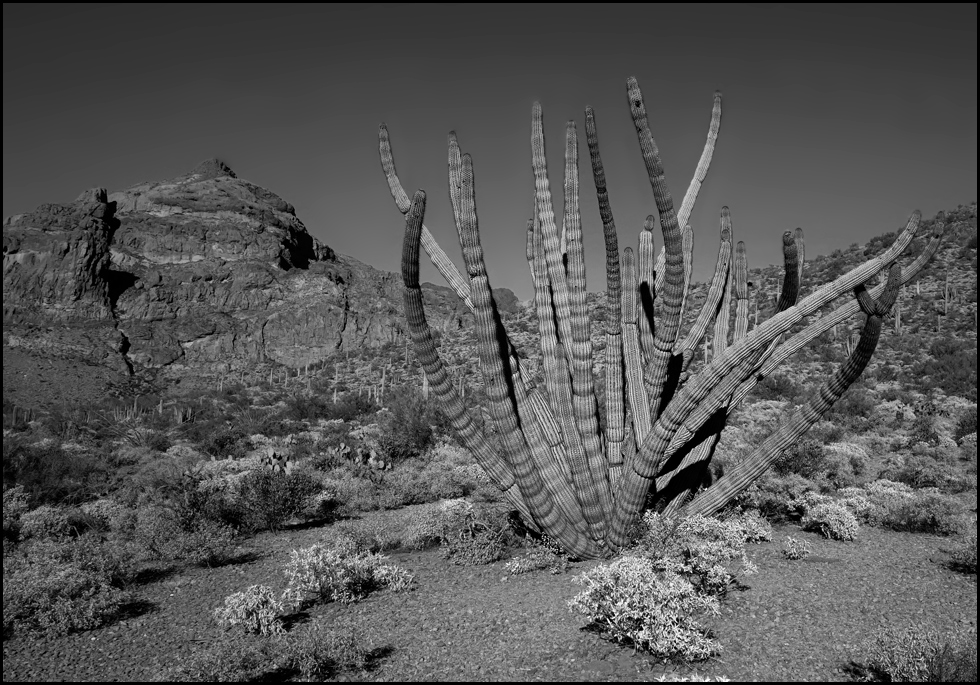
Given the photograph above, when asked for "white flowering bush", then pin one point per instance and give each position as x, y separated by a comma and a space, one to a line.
832, 520
432, 524
255, 610
754, 526
794, 549
340, 573
634, 602
706, 549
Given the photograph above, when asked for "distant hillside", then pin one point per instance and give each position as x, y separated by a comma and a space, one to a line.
199, 276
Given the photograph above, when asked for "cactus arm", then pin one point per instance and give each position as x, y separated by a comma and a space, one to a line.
753, 466
583, 389
558, 381
741, 275
719, 280
673, 291
691, 196
470, 432
687, 243
615, 406
501, 400
646, 294
638, 400
455, 163
437, 255
846, 311
530, 249
718, 380
445, 266
792, 266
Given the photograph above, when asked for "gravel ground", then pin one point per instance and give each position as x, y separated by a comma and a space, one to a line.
794, 620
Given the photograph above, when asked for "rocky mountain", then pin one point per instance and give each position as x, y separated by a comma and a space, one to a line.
205, 273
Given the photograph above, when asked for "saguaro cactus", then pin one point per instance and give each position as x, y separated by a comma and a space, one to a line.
582, 484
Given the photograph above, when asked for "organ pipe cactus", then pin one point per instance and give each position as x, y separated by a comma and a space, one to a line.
582, 480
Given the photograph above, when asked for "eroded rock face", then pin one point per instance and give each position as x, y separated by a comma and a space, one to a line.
55, 261
205, 272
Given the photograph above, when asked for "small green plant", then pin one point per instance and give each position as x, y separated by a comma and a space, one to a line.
964, 555
254, 610
319, 653
544, 555
232, 659
923, 654
795, 550
636, 603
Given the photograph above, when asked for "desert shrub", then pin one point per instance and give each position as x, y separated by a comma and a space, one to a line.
49, 591
477, 545
923, 654
228, 442
636, 603
466, 534
778, 387
318, 653
339, 573
755, 527
431, 525
927, 511
165, 534
45, 522
52, 475
269, 498
375, 535
832, 520
232, 659
406, 431
920, 471
697, 547
358, 494
964, 555
348, 407
773, 495
254, 610
546, 554
16, 503
966, 425
853, 409
805, 458
794, 549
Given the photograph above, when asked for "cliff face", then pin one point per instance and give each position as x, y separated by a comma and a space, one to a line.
55, 260
202, 273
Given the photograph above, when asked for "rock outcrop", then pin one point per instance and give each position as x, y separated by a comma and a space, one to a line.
205, 273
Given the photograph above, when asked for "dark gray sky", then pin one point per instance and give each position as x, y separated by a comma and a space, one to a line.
838, 119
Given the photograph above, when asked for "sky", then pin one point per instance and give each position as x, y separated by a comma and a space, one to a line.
838, 119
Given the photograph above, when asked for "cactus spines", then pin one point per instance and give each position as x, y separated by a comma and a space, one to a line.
581, 483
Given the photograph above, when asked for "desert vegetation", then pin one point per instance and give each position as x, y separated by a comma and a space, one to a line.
324, 522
